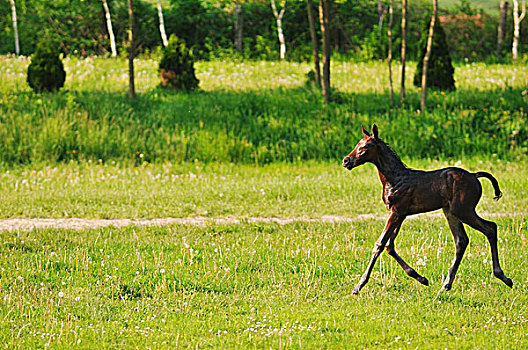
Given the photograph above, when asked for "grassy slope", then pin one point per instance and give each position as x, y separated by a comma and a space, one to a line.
257, 286
253, 112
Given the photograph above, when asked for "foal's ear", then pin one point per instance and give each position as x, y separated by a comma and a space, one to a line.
365, 133
375, 131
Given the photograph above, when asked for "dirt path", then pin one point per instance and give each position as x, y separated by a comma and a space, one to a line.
22, 224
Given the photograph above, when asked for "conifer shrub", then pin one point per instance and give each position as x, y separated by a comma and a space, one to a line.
177, 66
46, 71
440, 69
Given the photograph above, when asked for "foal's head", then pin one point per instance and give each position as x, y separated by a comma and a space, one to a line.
365, 151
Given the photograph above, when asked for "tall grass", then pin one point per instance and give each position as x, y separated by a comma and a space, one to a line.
257, 112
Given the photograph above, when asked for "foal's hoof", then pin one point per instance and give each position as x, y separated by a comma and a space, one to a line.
507, 281
446, 286
423, 281
355, 291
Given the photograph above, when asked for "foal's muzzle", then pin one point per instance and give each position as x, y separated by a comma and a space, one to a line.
348, 163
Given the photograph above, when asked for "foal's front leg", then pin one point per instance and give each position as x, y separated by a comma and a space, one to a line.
393, 222
408, 270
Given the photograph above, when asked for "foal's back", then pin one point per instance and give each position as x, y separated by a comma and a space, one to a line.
423, 191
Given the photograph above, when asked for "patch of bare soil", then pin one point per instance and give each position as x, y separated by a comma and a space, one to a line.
23, 224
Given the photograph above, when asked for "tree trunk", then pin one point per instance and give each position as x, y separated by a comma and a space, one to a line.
502, 25
15, 26
381, 14
403, 47
162, 25
428, 55
278, 17
517, 18
131, 51
389, 59
324, 13
315, 43
110, 30
239, 26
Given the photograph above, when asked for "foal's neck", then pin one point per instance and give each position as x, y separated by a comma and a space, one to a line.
389, 164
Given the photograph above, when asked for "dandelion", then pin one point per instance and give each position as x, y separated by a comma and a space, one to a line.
162, 271
61, 294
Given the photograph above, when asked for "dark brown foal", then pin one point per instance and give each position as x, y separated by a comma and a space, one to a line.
408, 191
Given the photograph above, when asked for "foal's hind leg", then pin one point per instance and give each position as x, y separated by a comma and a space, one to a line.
461, 243
408, 270
489, 229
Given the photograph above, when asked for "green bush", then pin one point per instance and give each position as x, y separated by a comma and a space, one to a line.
440, 70
46, 72
177, 66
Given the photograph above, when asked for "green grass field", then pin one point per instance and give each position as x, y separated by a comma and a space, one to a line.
225, 190
258, 286
254, 113
254, 142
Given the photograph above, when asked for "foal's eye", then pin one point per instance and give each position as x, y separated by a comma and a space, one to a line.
365, 148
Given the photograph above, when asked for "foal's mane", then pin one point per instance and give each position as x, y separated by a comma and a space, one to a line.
391, 153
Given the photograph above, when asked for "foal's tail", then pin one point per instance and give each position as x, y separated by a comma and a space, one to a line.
494, 182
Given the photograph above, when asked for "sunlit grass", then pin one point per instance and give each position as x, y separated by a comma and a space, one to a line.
223, 190
257, 285
103, 74
92, 153
254, 112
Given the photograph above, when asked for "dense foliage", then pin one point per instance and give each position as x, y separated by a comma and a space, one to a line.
440, 70
46, 71
207, 27
177, 66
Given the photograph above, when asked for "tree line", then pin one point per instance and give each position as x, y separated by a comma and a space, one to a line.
256, 29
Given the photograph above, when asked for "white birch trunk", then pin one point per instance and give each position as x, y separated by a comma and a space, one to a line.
278, 17
131, 51
110, 29
162, 25
403, 47
381, 14
324, 19
239, 26
15, 27
428, 56
517, 18
389, 58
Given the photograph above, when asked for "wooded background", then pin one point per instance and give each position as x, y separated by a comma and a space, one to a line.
79, 27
